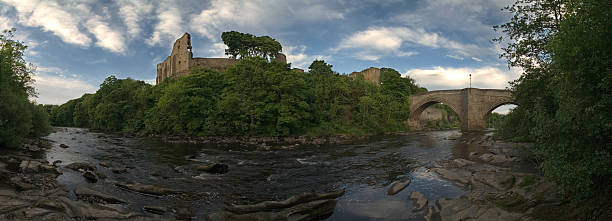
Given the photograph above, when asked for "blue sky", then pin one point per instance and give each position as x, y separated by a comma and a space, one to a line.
76, 44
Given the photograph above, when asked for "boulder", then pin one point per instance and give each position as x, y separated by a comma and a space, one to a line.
147, 189
398, 186
420, 199
86, 192
63, 146
213, 168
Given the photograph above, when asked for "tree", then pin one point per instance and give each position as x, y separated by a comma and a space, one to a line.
248, 45
19, 117
564, 94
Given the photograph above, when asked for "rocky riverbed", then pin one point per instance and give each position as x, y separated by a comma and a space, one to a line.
413, 176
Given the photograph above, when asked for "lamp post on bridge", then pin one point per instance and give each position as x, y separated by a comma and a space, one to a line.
470, 80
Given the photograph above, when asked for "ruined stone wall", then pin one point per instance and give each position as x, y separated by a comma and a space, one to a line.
219, 64
181, 61
371, 74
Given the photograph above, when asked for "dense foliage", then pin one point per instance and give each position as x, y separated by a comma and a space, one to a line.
449, 118
19, 118
254, 97
564, 96
248, 45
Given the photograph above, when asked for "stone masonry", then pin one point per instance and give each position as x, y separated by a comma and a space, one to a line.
371, 74
181, 61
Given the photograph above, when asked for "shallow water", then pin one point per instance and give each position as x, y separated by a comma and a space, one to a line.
366, 169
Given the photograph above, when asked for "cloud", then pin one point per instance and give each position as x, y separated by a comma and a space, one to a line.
476, 59
258, 16
376, 42
58, 90
61, 20
169, 24
107, 38
296, 55
456, 57
133, 13
438, 78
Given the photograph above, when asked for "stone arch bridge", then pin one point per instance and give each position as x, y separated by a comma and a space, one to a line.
471, 104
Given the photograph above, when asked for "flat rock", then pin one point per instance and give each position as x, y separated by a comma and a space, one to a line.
119, 170
463, 162
421, 201
398, 186
462, 209
104, 164
497, 158
498, 180
63, 146
314, 210
213, 168
148, 189
460, 176
155, 209
86, 192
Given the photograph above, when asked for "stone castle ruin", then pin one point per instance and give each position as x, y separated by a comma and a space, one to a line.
371, 74
181, 61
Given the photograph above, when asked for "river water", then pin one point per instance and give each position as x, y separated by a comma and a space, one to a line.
365, 169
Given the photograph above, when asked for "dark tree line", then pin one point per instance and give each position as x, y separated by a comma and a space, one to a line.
254, 97
564, 95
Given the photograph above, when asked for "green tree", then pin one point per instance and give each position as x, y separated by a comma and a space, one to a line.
248, 45
19, 117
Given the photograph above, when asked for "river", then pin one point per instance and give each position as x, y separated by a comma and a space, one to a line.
364, 168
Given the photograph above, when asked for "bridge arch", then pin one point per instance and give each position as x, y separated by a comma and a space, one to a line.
471, 104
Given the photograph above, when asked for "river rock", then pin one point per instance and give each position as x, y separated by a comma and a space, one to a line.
398, 186
63, 146
462, 209
155, 209
86, 192
499, 180
119, 170
314, 210
289, 202
104, 164
90, 177
81, 166
460, 176
497, 158
148, 189
421, 201
463, 162
213, 168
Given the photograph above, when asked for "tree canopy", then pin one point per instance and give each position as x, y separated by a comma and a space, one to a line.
248, 45
565, 92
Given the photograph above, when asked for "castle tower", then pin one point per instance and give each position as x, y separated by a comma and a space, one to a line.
179, 61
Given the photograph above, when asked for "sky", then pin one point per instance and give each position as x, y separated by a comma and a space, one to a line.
76, 44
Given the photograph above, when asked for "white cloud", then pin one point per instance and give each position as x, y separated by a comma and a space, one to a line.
257, 16
476, 59
61, 20
133, 13
376, 42
456, 57
169, 24
296, 55
438, 78
107, 38
58, 90
217, 50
